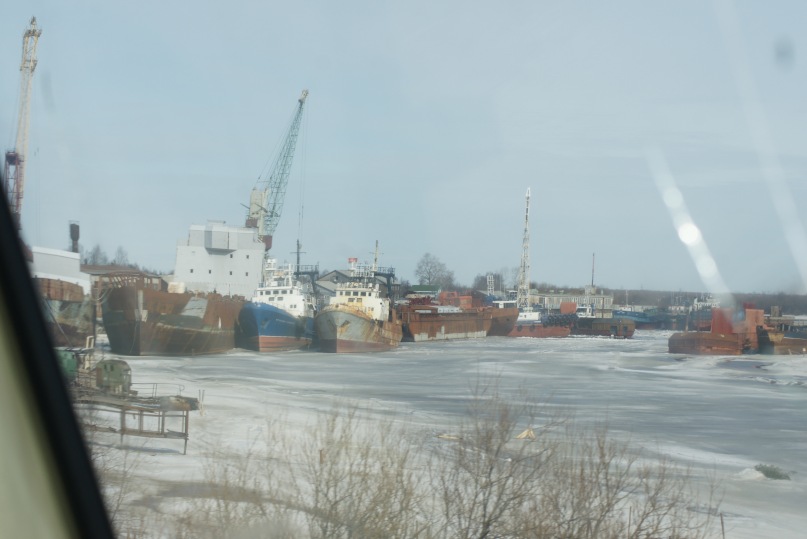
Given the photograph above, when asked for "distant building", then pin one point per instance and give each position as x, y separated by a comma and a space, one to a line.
551, 300
219, 258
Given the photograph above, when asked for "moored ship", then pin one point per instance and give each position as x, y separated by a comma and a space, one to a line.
280, 315
781, 343
616, 328
358, 318
539, 325
730, 334
424, 320
216, 268
143, 321
64, 288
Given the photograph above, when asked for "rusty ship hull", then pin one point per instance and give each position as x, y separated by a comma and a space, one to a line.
69, 313
617, 328
539, 331
503, 321
780, 343
343, 329
143, 321
706, 343
732, 333
435, 323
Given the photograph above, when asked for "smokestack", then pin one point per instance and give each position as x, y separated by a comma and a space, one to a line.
74, 236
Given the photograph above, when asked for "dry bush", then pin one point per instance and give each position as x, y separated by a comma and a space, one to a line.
357, 479
353, 475
595, 487
482, 479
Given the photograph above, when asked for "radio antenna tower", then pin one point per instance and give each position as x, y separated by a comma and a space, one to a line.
523, 294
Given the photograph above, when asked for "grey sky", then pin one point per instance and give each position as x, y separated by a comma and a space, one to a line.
426, 122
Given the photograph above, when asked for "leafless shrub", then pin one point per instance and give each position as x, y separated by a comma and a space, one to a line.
358, 481
353, 475
482, 477
596, 487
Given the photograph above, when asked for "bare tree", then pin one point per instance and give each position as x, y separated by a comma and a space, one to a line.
431, 271
121, 258
96, 257
489, 471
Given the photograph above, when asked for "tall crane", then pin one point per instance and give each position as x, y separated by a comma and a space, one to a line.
14, 171
266, 199
523, 294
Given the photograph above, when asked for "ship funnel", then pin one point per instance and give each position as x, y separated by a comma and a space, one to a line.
74, 236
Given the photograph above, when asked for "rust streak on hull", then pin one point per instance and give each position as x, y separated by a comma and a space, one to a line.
340, 329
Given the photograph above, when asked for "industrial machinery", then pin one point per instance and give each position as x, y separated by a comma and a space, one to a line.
14, 170
266, 199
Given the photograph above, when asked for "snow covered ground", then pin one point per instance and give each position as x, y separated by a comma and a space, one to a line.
720, 415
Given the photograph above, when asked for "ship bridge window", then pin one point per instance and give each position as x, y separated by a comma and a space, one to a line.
191, 270
350, 300
364, 293
231, 273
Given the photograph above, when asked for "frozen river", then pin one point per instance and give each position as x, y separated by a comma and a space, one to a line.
720, 415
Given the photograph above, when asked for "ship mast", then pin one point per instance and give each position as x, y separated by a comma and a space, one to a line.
523, 295
14, 173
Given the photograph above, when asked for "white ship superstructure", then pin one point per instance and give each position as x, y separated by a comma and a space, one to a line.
280, 288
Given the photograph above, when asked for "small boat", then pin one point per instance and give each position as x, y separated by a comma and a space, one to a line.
280, 316
358, 318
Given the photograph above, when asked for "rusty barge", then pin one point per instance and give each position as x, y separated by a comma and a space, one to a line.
453, 316
731, 333
144, 321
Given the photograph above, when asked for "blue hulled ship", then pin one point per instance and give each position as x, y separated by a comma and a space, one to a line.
280, 315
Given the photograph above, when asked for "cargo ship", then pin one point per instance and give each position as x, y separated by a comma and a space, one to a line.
216, 269
358, 318
731, 333
280, 315
144, 321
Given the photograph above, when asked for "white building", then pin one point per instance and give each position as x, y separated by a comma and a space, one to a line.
219, 258
59, 265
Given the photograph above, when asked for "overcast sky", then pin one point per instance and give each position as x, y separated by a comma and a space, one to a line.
425, 125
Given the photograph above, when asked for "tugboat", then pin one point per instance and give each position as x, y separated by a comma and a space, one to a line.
358, 318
